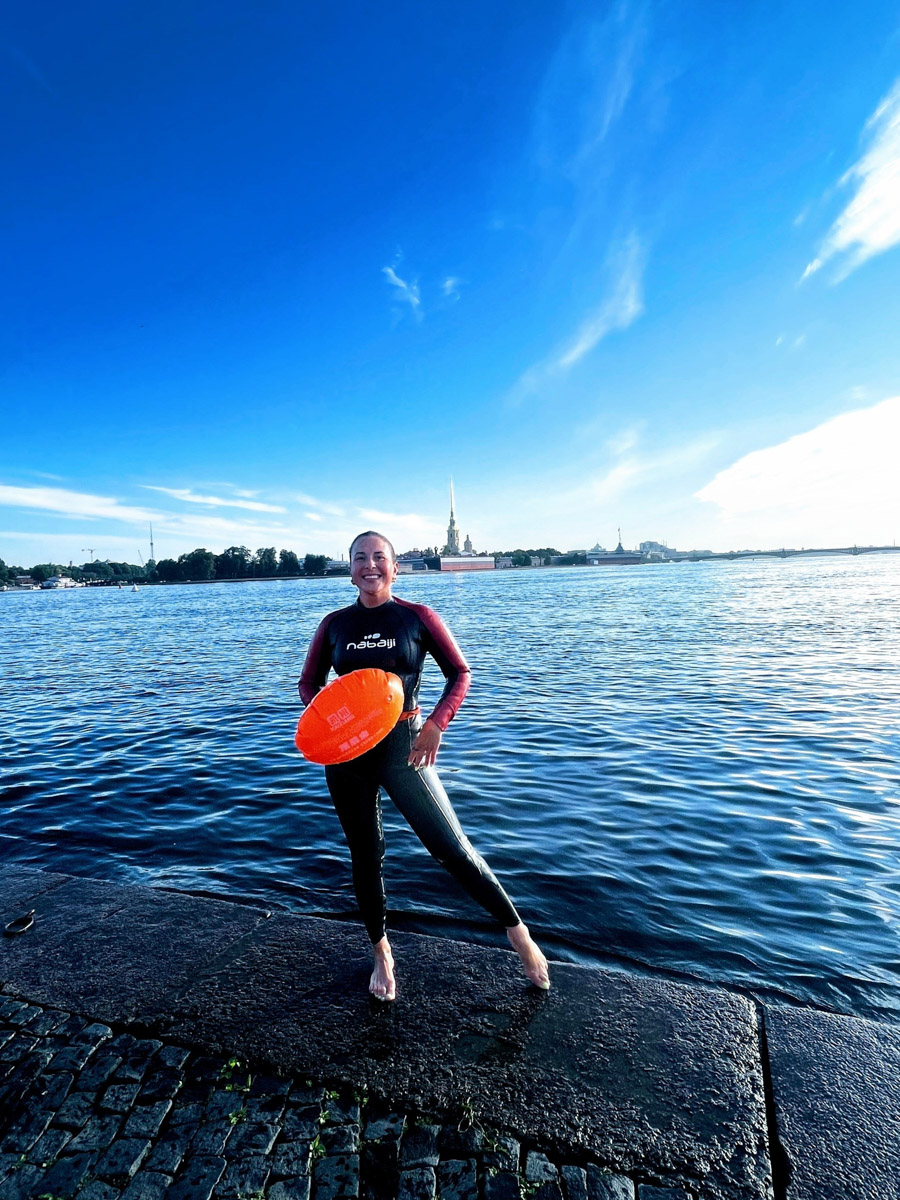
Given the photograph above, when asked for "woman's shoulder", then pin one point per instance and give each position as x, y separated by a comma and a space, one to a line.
426, 615
418, 609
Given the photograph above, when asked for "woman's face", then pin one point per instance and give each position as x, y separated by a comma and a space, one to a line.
372, 570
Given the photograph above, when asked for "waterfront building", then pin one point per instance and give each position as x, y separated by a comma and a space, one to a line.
407, 563
598, 557
660, 549
466, 562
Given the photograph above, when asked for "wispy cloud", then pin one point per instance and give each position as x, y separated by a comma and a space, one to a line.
837, 481
118, 527
587, 86
637, 466
410, 523
870, 224
406, 291
72, 504
325, 506
192, 497
626, 439
622, 305
450, 287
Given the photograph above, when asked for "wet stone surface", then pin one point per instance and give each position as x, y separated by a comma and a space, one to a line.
96, 1113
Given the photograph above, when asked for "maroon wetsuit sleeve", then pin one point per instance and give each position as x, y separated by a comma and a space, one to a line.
318, 663
448, 656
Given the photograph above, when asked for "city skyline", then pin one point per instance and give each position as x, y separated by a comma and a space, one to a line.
275, 280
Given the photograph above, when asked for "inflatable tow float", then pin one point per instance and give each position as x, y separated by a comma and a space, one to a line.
350, 716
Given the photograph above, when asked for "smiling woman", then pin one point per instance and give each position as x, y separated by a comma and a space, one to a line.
395, 635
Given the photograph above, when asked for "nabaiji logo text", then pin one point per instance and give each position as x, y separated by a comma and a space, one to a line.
372, 641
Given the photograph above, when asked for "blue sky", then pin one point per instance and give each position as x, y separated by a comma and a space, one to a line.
273, 273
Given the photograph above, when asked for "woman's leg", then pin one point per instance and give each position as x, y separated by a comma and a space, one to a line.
355, 797
420, 797
354, 792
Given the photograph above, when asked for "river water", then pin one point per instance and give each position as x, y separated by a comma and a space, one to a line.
690, 769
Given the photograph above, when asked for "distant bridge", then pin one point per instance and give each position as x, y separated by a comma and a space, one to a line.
783, 553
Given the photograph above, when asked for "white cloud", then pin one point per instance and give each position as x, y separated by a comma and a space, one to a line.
870, 224
119, 530
587, 86
622, 305
833, 485
626, 439
324, 506
450, 287
616, 481
408, 522
406, 291
635, 468
72, 504
215, 501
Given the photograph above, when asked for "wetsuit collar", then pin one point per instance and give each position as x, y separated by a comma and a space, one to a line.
359, 604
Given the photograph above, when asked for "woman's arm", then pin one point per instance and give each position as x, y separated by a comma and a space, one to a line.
318, 663
439, 643
455, 669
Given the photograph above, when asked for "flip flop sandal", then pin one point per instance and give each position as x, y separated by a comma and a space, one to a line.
20, 924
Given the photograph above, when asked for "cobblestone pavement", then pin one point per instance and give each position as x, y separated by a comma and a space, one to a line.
90, 1112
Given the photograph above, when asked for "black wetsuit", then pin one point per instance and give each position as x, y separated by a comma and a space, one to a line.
396, 636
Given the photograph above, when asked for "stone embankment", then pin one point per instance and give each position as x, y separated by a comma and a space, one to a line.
103, 1115
154, 1044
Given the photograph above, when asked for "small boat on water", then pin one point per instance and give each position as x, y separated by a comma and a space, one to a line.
135, 588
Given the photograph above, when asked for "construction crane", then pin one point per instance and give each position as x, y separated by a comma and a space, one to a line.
91, 550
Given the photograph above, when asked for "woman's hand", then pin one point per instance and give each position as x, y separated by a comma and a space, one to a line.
426, 745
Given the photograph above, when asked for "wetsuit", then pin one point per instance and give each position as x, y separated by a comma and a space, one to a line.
396, 636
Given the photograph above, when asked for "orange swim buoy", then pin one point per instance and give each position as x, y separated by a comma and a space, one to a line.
350, 716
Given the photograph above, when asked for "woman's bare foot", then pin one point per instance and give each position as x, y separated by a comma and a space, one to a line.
533, 962
382, 985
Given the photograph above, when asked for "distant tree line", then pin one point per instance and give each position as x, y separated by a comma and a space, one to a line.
237, 562
107, 571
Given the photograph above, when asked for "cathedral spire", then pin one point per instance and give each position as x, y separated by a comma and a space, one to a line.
452, 532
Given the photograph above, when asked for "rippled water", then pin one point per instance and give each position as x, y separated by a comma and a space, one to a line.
688, 769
